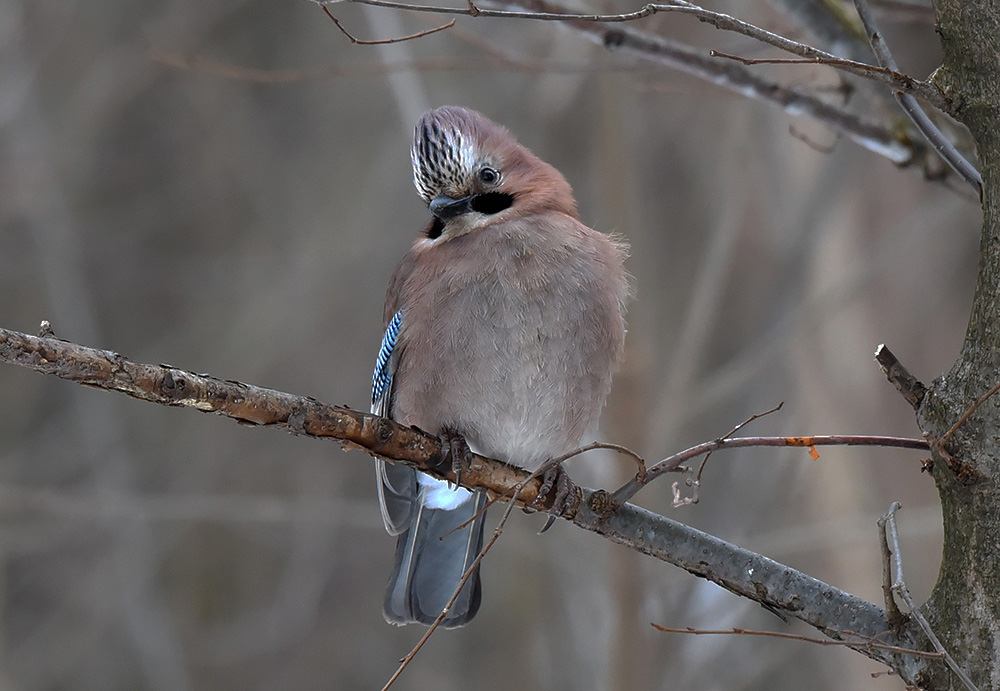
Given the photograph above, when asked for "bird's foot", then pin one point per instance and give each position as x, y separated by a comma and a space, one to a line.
456, 451
556, 480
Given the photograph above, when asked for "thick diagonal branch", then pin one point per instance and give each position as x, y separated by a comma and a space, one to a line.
781, 588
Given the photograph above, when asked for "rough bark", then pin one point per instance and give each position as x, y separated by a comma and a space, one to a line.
964, 608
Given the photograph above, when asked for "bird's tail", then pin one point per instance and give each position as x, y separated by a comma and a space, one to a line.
432, 554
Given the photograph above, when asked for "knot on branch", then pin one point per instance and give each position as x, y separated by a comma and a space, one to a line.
169, 385
603, 504
383, 431
965, 474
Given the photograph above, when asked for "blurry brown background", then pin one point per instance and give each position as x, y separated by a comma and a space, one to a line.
161, 198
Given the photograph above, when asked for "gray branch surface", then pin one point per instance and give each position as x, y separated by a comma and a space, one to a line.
730, 75
780, 588
608, 30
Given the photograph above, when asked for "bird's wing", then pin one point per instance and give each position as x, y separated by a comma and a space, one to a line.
397, 484
385, 365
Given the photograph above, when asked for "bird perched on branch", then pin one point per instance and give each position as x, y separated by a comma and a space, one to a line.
504, 323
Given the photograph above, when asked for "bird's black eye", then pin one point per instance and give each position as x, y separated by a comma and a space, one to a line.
489, 176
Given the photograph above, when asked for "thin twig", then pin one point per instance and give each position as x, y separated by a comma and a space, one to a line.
810, 142
752, 418
743, 81
695, 483
879, 140
512, 496
842, 63
968, 413
675, 460
624, 450
671, 463
865, 643
447, 608
725, 22
892, 612
899, 588
383, 41
785, 61
931, 133
551, 463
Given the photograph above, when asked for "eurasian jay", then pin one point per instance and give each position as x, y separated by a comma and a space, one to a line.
504, 324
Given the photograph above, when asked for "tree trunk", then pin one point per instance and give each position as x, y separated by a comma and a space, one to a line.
964, 608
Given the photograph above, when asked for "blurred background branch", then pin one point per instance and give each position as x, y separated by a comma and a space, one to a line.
887, 141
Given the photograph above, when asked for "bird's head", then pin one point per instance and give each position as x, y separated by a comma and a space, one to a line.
472, 173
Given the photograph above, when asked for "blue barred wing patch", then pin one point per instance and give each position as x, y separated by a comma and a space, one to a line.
382, 379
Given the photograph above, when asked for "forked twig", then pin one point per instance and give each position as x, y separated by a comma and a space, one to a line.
383, 41
924, 125
671, 463
888, 523
725, 22
695, 484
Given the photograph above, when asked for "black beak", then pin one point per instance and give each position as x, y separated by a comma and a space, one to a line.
445, 207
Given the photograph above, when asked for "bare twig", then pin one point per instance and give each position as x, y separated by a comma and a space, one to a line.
877, 139
558, 460
931, 133
724, 73
810, 142
892, 612
725, 22
966, 415
881, 140
624, 450
695, 484
399, 39
829, 62
864, 643
892, 78
754, 417
516, 490
899, 588
670, 463
465, 577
